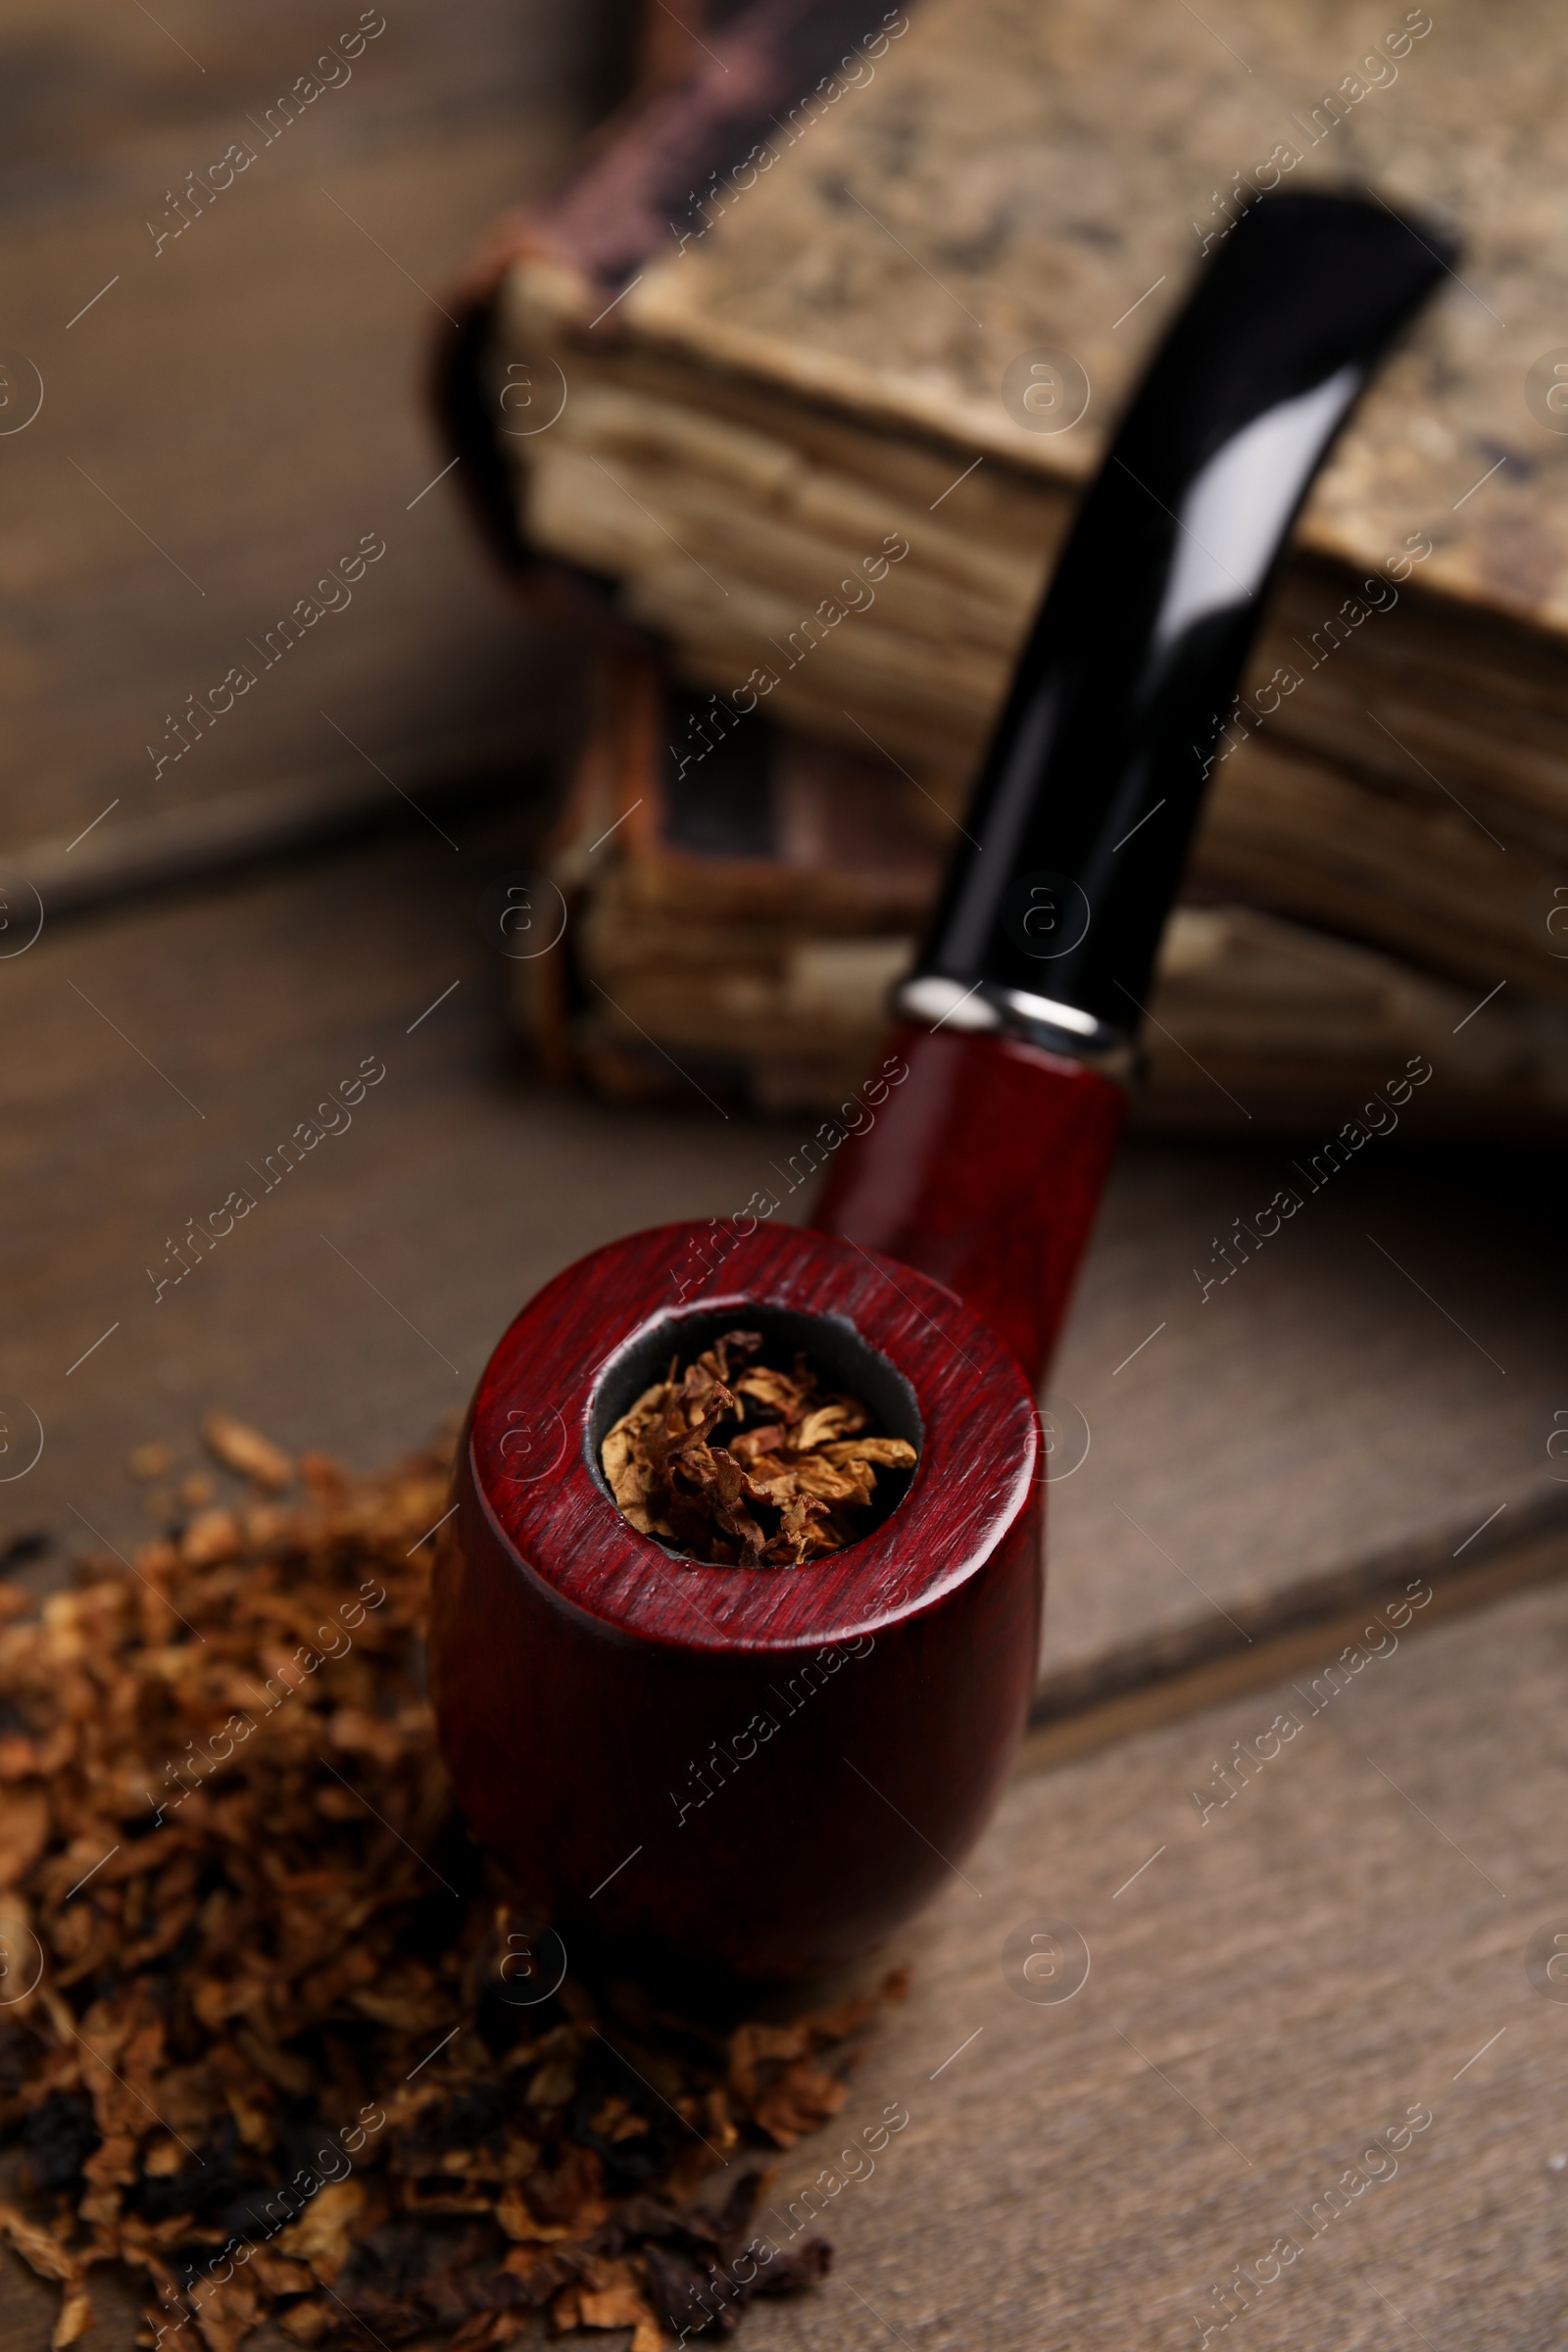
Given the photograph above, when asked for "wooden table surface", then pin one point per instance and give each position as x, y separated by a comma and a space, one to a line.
1268, 1991
225, 414
1291, 1974
1314, 1958
1367, 1401
1332, 1420
1345, 1943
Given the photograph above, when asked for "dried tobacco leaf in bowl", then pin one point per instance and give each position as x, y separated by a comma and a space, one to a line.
751, 1467
267, 2055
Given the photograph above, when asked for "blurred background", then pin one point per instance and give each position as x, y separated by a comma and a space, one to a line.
218, 411
415, 422
241, 401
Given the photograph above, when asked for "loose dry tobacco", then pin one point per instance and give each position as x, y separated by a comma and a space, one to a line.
750, 1467
267, 2031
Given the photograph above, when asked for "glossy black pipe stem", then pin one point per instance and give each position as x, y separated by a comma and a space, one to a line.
1093, 779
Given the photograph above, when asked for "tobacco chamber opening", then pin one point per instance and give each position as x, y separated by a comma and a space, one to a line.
843, 1361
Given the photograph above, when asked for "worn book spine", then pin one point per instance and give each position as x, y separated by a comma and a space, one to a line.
753, 963
640, 190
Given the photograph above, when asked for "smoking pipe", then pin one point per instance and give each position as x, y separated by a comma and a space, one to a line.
761, 1772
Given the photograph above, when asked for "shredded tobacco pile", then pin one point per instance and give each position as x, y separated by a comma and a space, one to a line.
747, 1467
270, 2033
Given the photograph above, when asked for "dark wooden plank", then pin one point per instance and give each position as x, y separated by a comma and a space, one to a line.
459, 1188
1377, 1381
248, 396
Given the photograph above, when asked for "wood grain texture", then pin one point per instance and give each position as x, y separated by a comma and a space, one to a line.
238, 406
978, 1456
1067, 1724
1269, 1991
1303, 1967
985, 1170
1318, 1419
598, 1697
1358, 1398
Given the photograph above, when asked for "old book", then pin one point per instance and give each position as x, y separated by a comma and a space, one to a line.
769, 337
737, 915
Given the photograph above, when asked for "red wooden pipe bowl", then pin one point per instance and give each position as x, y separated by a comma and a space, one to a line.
760, 1772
